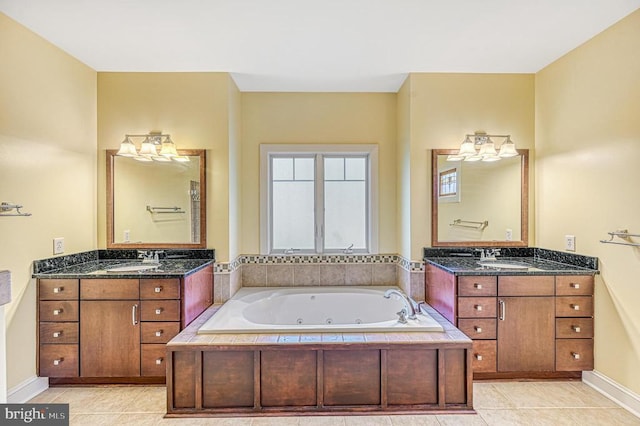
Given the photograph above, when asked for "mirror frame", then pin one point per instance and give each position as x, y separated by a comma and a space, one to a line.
524, 205
111, 244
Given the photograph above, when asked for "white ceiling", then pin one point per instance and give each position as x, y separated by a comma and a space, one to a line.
318, 45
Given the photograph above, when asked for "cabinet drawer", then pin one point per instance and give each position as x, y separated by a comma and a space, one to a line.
519, 285
58, 361
58, 332
574, 354
484, 356
574, 306
109, 289
153, 360
58, 310
570, 285
477, 286
476, 307
57, 289
158, 332
160, 310
160, 288
574, 328
478, 328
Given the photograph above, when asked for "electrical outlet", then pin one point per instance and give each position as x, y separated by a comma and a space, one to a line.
58, 245
570, 242
508, 235
127, 235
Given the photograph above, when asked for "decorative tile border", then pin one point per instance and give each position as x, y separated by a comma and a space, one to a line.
225, 268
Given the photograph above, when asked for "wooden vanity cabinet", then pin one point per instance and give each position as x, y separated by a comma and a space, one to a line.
109, 328
574, 323
58, 315
526, 323
521, 326
97, 330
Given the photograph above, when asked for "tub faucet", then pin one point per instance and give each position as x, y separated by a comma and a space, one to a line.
408, 311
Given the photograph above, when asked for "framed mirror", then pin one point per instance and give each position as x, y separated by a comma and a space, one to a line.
479, 204
156, 204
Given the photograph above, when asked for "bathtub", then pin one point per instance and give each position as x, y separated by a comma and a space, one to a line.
313, 309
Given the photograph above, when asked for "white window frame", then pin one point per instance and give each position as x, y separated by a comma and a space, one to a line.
267, 151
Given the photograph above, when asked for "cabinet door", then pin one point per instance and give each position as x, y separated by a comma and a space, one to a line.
109, 338
526, 334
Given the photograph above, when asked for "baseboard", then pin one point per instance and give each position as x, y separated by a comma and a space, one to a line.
613, 390
28, 389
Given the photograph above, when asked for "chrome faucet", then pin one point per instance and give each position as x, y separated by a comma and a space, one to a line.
408, 311
149, 256
489, 254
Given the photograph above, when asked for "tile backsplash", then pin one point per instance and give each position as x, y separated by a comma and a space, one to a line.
318, 270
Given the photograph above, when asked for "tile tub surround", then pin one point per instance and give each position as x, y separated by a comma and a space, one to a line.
317, 270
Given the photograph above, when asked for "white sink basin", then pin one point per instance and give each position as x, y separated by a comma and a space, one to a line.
134, 268
503, 265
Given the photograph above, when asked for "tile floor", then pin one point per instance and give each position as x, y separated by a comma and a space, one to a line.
496, 403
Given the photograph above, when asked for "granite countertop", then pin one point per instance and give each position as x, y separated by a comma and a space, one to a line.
538, 261
535, 266
96, 264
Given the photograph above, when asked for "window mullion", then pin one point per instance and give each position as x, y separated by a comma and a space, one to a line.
319, 203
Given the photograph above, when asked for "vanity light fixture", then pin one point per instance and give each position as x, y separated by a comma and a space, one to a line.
149, 148
480, 147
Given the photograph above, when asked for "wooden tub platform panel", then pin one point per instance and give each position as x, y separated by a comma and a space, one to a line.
318, 373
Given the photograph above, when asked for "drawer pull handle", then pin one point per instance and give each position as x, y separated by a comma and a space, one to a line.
134, 314
503, 310
576, 328
158, 333
478, 329
575, 307
478, 357
575, 355
575, 285
157, 289
477, 286
158, 311
58, 289
58, 361
477, 307
158, 361
57, 333
57, 311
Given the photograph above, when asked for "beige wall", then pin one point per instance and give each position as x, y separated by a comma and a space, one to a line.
403, 170
47, 164
445, 107
318, 118
587, 153
235, 170
193, 108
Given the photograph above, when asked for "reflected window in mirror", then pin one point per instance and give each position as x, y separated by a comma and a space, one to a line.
156, 204
482, 204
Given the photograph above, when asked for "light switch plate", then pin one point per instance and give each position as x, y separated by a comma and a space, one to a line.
58, 245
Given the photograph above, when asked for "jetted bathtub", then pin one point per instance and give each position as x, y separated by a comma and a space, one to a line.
314, 309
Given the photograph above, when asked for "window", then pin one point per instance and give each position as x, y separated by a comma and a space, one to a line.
318, 198
449, 185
